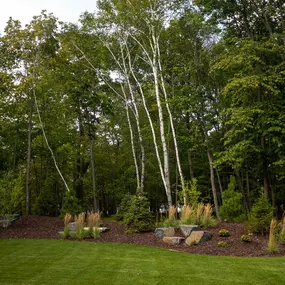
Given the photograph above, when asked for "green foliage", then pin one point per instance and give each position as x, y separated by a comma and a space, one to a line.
191, 192
138, 216
282, 232
223, 244
260, 216
12, 195
70, 205
232, 210
224, 233
66, 232
245, 238
124, 206
170, 222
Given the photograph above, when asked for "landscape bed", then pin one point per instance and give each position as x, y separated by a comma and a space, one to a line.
39, 227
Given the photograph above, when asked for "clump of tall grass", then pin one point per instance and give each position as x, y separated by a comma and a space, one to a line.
67, 220
93, 222
79, 228
282, 232
188, 216
171, 220
272, 244
200, 215
207, 219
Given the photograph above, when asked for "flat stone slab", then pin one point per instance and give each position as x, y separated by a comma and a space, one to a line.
72, 226
198, 237
164, 232
173, 240
100, 229
188, 229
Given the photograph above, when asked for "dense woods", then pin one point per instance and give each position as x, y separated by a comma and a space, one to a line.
148, 97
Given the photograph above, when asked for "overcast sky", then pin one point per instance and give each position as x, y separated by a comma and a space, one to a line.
24, 10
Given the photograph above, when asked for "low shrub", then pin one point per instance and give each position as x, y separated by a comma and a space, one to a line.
138, 216
70, 205
224, 233
223, 244
124, 207
260, 216
245, 238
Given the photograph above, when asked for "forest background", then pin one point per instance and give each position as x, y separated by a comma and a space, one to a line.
165, 98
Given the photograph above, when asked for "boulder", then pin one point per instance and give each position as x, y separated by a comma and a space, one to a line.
188, 229
164, 232
198, 237
173, 240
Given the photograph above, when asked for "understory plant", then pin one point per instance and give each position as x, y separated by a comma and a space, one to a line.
272, 243
260, 216
245, 238
200, 215
232, 209
138, 218
224, 233
79, 228
93, 222
171, 220
67, 220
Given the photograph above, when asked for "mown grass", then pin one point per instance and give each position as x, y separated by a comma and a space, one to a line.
53, 262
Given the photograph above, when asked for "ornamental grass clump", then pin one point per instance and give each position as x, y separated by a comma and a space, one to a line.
188, 216
272, 244
93, 222
67, 220
282, 233
199, 213
171, 220
207, 219
79, 228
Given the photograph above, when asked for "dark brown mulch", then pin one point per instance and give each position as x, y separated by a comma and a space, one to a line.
48, 227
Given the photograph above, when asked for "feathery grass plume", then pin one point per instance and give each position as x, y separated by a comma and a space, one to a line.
199, 213
207, 220
282, 233
188, 215
67, 220
93, 220
171, 220
172, 212
79, 228
272, 244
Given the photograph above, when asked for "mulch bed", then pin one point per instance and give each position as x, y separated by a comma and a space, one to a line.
39, 227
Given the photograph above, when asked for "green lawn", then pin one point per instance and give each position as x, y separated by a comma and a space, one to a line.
49, 262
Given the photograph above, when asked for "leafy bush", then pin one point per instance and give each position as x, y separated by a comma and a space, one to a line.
245, 238
138, 216
223, 244
260, 216
191, 192
232, 209
70, 205
124, 207
224, 233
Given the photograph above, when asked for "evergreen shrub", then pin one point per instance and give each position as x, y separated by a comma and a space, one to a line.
70, 205
138, 217
260, 216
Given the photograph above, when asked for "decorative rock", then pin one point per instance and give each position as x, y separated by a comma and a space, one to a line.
72, 226
198, 237
188, 229
164, 232
100, 229
173, 240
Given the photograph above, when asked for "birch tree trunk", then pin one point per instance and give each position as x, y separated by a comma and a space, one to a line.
212, 175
